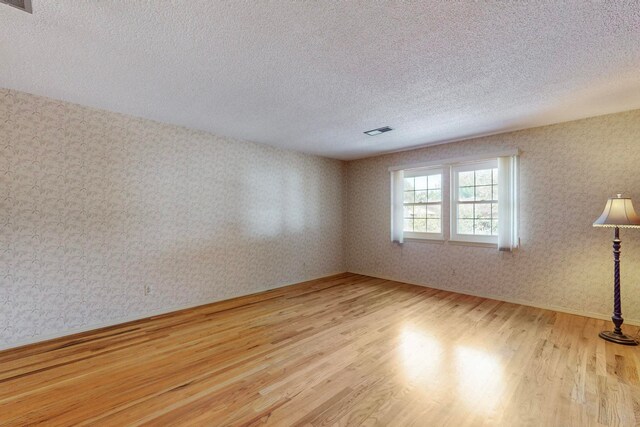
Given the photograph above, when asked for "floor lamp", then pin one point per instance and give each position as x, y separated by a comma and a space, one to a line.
618, 213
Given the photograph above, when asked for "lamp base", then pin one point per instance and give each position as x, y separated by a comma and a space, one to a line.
617, 338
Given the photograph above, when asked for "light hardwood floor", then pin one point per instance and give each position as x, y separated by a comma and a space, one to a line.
344, 350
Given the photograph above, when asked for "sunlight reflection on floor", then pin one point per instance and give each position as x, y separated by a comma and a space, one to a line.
421, 356
475, 376
480, 378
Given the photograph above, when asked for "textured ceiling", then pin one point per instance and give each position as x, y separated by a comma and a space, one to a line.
312, 76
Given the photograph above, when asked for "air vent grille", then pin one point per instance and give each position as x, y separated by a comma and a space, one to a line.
24, 5
378, 131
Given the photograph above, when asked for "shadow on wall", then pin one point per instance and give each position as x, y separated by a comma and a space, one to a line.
278, 201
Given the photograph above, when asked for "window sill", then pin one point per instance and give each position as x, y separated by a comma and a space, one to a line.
450, 242
477, 244
423, 240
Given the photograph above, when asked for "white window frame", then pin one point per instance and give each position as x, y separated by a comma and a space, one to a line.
427, 172
504, 241
453, 209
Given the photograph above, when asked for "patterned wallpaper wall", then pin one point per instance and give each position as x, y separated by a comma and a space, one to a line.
567, 173
96, 206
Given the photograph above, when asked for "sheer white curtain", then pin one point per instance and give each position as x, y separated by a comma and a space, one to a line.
397, 206
507, 203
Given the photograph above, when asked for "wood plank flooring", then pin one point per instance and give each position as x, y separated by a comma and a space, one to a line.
346, 350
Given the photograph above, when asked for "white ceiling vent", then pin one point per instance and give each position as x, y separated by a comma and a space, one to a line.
19, 4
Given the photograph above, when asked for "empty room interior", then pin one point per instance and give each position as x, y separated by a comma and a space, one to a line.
306, 213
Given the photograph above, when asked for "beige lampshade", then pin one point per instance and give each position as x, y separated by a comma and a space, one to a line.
618, 213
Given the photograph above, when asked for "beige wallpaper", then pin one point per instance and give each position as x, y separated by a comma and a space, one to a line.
567, 173
96, 206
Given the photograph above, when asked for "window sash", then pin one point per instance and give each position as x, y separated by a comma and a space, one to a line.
419, 172
454, 189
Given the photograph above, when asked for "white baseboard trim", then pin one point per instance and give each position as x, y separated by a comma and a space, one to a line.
115, 322
634, 322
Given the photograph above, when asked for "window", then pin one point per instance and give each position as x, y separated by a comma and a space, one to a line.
474, 202
422, 204
477, 196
